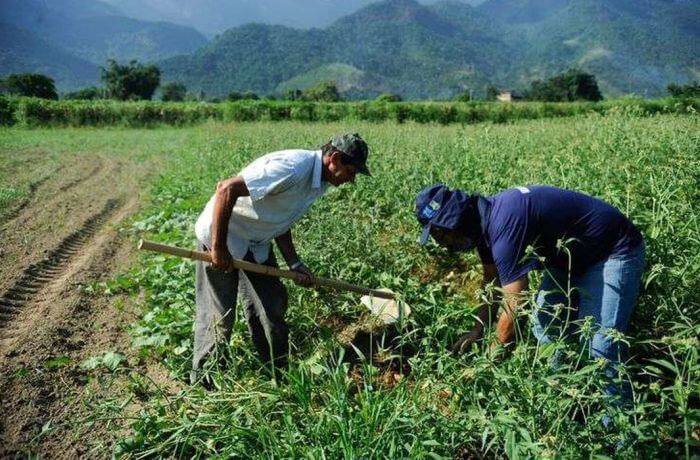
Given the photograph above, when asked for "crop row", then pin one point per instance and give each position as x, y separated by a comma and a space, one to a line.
39, 112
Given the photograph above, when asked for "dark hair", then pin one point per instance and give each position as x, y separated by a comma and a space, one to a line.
470, 223
329, 149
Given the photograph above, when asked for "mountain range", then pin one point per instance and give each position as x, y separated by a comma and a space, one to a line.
215, 16
70, 39
631, 45
396, 45
437, 50
418, 50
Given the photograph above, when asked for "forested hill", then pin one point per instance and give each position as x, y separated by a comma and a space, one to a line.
632, 46
397, 45
23, 51
81, 31
433, 51
215, 16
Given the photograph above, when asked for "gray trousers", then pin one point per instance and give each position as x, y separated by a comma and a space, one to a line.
264, 299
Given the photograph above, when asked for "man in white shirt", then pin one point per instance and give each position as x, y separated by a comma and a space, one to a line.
245, 214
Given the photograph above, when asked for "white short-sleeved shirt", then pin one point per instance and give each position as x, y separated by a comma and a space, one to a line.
282, 185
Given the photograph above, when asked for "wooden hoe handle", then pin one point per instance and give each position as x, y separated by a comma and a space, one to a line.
262, 269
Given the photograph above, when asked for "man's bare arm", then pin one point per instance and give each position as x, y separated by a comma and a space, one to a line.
286, 246
512, 297
227, 192
485, 315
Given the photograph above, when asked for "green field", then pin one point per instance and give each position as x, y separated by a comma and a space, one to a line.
476, 406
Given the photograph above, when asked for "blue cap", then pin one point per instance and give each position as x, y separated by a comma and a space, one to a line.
438, 206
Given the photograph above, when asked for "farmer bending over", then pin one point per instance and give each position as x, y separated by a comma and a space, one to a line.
239, 221
585, 246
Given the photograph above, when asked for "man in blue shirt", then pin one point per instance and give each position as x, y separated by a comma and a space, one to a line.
591, 254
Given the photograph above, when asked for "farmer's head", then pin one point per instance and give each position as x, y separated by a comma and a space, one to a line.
344, 156
449, 216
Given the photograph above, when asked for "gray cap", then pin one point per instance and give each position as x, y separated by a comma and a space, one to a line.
352, 145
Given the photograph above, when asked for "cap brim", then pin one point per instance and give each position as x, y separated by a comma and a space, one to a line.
425, 236
362, 169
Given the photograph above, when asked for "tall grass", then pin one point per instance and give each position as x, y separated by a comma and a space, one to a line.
38, 112
481, 405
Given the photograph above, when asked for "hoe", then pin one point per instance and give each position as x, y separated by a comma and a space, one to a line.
381, 302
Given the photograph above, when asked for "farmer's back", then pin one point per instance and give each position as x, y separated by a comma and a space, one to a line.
586, 229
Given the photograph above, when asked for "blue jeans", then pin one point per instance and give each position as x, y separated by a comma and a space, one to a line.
607, 292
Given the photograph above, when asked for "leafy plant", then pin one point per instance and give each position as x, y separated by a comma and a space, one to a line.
110, 360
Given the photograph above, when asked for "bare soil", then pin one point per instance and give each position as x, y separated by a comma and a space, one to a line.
62, 237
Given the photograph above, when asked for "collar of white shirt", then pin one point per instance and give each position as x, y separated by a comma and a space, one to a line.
318, 170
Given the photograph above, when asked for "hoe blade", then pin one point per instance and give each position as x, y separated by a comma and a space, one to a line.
389, 311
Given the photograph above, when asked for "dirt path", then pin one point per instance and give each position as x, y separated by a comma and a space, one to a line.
62, 237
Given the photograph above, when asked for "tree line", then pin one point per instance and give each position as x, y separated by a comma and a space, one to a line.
137, 81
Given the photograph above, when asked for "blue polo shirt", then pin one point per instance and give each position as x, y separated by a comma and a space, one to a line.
544, 217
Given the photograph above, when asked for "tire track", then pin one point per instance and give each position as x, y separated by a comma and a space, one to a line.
15, 212
30, 195
79, 180
35, 277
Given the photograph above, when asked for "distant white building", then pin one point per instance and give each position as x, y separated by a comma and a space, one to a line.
506, 96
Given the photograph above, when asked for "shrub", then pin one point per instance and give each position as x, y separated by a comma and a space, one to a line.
173, 92
85, 94
388, 97
688, 90
132, 81
572, 85
464, 96
7, 109
325, 91
247, 96
30, 85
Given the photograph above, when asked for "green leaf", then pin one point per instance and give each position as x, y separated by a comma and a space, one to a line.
511, 446
54, 363
666, 364
92, 363
112, 360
